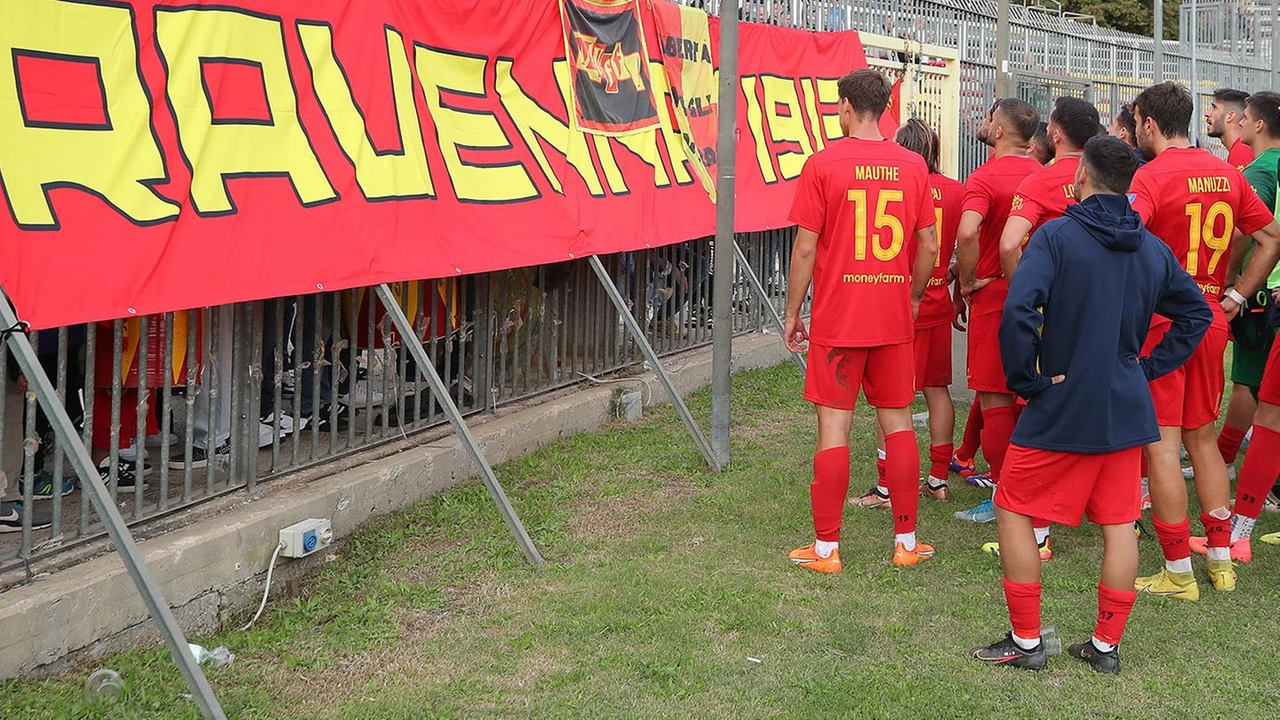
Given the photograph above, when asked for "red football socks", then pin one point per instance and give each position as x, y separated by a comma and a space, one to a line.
1114, 607
1024, 608
1262, 458
940, 460
1229, 441
1175, 540
880, 472
902, 471
828, 490
1218, 532
997, 428
972, 433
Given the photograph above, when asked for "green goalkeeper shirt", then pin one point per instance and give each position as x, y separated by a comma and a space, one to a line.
1264, 175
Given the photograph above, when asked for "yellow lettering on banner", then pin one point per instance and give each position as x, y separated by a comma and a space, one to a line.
218, 150
118, 161
441, 72
811, 109
609, 164
680, 165
781, 93
534, 122
829, 94
387, 174
755, 123
645, 147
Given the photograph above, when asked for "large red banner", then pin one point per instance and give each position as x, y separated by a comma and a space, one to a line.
158, 156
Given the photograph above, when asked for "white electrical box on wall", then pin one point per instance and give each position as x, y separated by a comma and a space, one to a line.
303, 538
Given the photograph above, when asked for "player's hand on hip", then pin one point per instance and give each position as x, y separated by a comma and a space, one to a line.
796, 335
967, 290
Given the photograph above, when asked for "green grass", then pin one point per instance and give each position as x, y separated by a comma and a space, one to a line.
662, 579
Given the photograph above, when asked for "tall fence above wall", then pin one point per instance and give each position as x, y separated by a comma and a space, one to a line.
1117, 65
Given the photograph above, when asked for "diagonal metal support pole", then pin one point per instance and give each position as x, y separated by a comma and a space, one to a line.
438, 388
638, 335
92, 486
758, 287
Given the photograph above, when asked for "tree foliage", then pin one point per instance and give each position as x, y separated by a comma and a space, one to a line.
1133, 16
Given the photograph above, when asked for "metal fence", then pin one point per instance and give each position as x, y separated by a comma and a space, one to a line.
226, 398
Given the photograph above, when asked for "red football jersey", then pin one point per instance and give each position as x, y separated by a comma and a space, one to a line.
1045, 194
866, 199
1240, 155
948, 197
1192, 201
989, 192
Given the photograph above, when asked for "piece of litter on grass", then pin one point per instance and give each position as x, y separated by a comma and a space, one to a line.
757, 661
698, 541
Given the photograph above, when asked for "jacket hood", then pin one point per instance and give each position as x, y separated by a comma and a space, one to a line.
1110, 220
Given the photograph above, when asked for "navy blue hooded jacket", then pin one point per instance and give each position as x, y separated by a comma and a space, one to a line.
1080, 305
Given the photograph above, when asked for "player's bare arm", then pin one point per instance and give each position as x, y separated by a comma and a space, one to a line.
1015, 231
1263, 261
802, 256
926, 256
1239, 248
967, 252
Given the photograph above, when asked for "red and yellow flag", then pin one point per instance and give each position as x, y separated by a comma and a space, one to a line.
684, 34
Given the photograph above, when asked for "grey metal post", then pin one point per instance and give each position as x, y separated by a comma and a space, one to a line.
1275, 44
1002, 49
722, 289
96, 490
438, 388
1196, 118
638, 335
772, 311
1158, 36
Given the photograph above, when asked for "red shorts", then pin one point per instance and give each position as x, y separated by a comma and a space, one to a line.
1269, 392
1061, 487
932, 348
986, 371
1191, 396
835, 375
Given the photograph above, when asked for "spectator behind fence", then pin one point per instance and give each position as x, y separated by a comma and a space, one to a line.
11, 460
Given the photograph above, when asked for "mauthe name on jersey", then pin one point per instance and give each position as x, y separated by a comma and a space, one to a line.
881, 173
1213, 184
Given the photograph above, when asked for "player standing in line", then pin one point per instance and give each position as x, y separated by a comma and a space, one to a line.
1043, 196
1078, 310
932, 343
1261, 129
1248, 357
1222, 121
859, 203
1194, 202
988, 198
